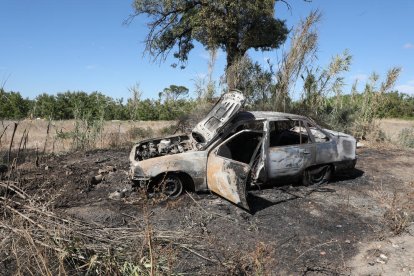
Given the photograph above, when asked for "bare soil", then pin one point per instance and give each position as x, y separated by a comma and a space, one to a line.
344, 227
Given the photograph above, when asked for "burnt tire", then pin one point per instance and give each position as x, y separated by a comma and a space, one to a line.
317, 175
172, 186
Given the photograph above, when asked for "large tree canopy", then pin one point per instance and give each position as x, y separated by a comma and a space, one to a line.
232, 25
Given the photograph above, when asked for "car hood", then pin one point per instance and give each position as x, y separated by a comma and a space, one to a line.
223, 111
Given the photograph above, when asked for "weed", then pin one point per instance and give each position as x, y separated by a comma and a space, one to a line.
261, 258
379, 135
136, 133
257, 262
397, 217
406, 137
168, 130
41, 242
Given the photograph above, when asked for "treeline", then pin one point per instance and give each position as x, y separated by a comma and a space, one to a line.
77, 105
393, 105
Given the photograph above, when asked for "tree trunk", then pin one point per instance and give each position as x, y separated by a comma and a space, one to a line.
234, 55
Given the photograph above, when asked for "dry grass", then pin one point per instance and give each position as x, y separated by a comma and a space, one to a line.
397, 204
36, 240
397, 216
387, 133
392, 127
52, 136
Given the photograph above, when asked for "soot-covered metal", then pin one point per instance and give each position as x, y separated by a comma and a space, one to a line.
230, 150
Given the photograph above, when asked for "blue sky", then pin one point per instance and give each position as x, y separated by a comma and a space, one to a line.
58, 45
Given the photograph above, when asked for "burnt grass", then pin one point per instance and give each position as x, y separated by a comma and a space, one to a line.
291, 229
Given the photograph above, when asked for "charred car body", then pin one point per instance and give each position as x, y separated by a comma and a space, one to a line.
230, 150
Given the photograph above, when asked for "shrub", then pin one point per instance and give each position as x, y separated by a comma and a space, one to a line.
135, 133
168, 130
406, 137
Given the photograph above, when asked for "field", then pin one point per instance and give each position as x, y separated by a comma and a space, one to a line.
55, 220
392, 127
58, 136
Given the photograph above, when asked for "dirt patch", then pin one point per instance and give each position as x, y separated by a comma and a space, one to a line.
391, 256
339, 228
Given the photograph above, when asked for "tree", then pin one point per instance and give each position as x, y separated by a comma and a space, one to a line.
234, 26
255, 82
173, 101
45, 106
13, 105
174, 92
134, 101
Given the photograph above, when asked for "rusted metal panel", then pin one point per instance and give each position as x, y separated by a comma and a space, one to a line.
227, 178
192, 163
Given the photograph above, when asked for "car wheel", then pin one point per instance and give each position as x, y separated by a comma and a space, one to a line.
172, 186
317, 175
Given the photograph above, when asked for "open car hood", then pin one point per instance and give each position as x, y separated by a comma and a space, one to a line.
224, 110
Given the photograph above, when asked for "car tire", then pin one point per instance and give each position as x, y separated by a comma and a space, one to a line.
317, 175
172, 186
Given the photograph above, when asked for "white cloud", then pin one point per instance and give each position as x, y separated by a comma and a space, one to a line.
407, 88
408, 46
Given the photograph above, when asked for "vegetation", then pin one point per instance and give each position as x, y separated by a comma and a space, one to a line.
296, 84
42, 238
170, 105
13, 105
406, 137
257, 87
234, 26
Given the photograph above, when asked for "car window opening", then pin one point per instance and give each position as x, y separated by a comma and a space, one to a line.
287, 132
241, 147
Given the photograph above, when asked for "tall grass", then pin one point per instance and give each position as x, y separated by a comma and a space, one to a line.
39, 241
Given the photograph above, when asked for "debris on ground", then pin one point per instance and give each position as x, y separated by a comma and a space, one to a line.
339, 228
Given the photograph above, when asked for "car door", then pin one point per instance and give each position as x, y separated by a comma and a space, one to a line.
229, 165
290, 150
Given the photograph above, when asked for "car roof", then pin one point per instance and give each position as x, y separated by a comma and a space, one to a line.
266, 115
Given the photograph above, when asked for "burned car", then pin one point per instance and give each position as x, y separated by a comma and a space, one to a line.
230, 150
